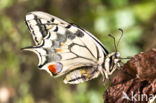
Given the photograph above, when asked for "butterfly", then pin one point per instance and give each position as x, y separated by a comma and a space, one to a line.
66, 49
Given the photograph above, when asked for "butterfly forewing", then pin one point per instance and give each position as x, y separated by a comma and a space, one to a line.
64, 48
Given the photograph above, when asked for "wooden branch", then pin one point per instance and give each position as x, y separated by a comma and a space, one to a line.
135, 82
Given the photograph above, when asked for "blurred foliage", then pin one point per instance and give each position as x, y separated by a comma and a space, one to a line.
22, 82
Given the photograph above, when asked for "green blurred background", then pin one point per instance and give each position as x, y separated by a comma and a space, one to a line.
22, 82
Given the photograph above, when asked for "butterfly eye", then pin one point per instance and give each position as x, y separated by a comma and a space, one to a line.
55, 68
117, 55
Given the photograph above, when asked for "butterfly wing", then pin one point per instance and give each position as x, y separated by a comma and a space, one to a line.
64, 48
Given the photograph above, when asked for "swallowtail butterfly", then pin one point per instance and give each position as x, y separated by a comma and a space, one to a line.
66, 49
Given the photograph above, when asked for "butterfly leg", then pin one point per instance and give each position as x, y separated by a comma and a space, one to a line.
128, 57
102, 73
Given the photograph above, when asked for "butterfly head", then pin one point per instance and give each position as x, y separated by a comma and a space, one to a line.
117, 59
112, 63
115, 55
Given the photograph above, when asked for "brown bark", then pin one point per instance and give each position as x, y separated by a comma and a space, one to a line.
136, 78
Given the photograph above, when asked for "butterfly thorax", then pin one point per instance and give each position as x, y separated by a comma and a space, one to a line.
112, 63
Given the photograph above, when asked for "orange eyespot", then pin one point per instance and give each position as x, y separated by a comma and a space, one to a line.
55, 68
52, 68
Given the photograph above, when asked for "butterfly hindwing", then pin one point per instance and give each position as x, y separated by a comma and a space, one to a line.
64, 48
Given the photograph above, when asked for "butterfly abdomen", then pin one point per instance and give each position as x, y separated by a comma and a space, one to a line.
81, 74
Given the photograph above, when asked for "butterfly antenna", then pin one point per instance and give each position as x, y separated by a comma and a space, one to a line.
120, 36
114, 41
